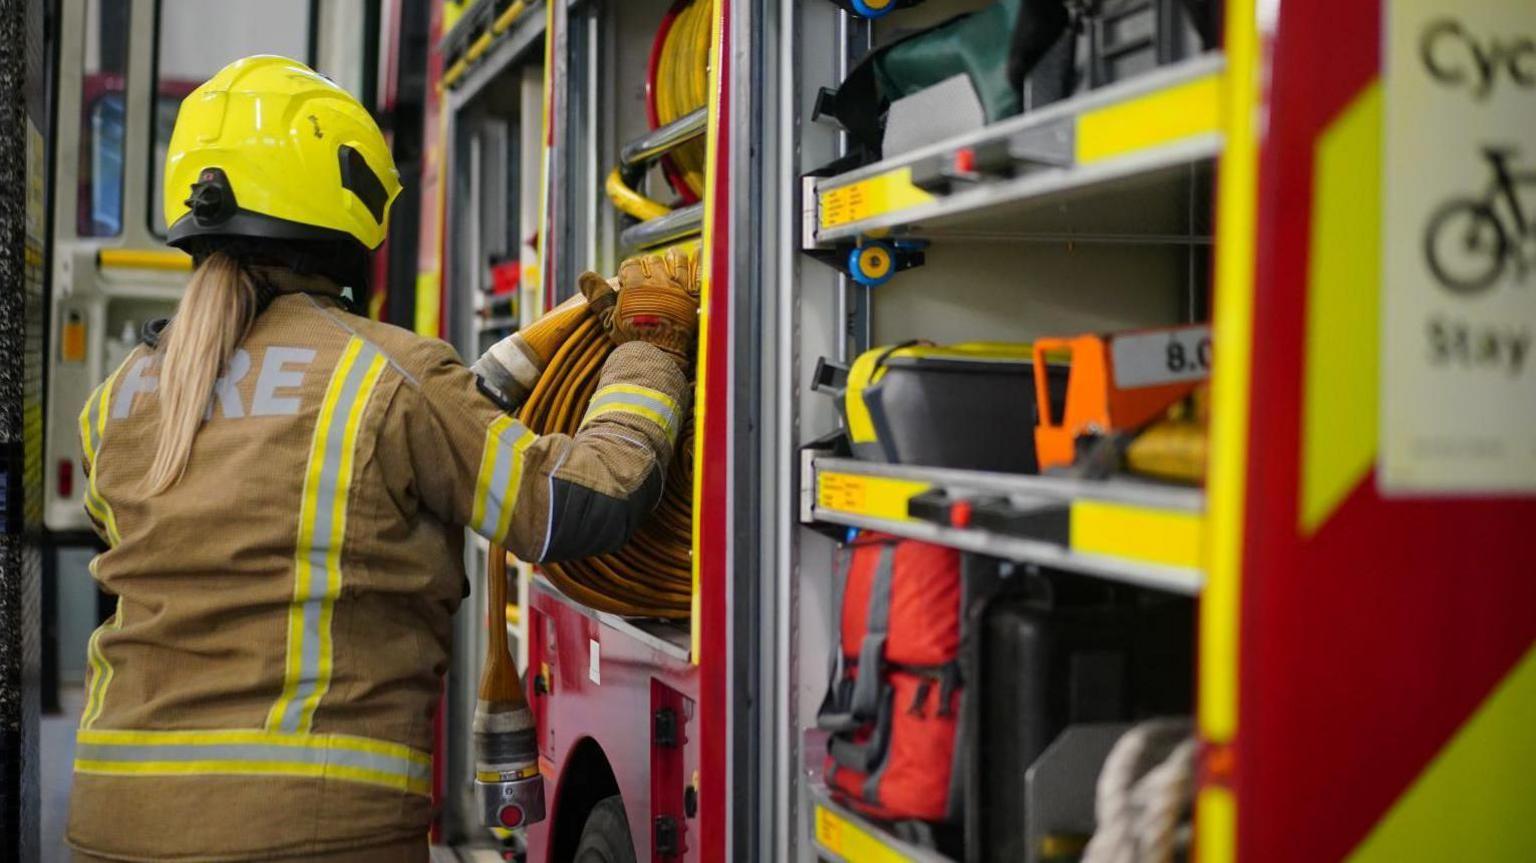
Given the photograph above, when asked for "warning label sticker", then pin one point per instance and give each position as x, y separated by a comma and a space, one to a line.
869, 496
866, 199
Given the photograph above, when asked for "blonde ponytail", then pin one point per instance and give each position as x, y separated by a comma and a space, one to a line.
214, 316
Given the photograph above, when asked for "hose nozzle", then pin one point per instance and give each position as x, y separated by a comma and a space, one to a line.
508, 787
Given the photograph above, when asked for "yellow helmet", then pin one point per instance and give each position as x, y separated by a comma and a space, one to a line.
268, 148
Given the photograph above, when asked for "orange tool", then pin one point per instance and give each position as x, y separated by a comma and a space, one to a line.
1116, 382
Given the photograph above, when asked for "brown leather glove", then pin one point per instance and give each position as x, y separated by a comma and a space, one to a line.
657, 302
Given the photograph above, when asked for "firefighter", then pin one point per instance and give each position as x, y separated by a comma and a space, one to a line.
282, 486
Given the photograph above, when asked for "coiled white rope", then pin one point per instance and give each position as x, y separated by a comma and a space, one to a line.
1143, 796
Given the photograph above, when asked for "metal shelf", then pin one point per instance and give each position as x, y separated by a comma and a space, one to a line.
1141, 533
1066, 169
842, 835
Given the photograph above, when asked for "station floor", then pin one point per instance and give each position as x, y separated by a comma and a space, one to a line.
56, 739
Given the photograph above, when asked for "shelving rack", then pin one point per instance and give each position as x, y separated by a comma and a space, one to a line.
1090, 214
1137, 532
1154, 131
1361, 694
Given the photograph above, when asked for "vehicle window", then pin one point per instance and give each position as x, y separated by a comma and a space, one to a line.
104, 63
198, 38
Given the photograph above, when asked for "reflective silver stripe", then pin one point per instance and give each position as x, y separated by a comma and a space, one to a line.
496, 493
655, 407
501, 477
330, 495
319, 756
321, 532
253, 752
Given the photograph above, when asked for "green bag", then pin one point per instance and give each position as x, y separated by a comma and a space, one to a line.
993, 47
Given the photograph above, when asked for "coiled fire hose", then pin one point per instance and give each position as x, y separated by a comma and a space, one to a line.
652, 576
677, 83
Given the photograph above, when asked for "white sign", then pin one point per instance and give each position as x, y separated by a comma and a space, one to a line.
594, 662
1162, 357
1458, 302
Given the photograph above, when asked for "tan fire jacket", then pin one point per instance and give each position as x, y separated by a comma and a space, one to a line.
267, 685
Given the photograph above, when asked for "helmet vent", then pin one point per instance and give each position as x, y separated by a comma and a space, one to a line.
360, 179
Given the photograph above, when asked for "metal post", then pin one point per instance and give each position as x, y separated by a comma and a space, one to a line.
24, 127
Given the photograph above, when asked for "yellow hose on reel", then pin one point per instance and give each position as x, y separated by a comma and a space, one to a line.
680, 83
630, 201
677, 84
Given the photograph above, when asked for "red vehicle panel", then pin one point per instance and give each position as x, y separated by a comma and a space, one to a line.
597, 689
613, 711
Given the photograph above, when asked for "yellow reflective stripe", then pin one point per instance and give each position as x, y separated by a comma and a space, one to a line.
661, 420
1148, 534
1226, 495
487, 469
1473, 799
636, 390
108, 518
104, 406
1339, 417
514, 485
1161, 117
1216, 825
94, 507
301, 562
338, 534
92, 439
255, 768
254, 752
101, 669
254, 736
98, 676
321, 535
87, 447
653, 405
499, 482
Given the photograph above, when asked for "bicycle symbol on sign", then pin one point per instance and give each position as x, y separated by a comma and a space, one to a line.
1468, 242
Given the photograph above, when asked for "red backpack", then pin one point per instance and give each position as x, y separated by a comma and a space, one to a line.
893, 702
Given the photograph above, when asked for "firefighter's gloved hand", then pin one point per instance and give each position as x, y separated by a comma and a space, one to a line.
513, 365
657, 301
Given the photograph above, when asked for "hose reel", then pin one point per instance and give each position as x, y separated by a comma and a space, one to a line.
652, 576
677, 99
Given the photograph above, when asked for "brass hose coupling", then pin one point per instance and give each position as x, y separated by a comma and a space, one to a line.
508, 787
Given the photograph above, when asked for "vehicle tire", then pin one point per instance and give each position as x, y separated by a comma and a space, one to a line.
605, 838
1465, 246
